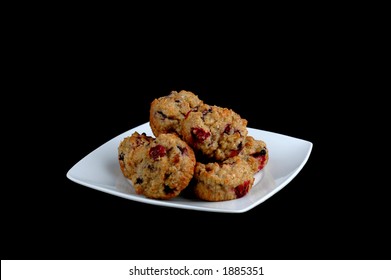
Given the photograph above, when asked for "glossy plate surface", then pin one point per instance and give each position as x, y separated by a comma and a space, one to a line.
100, 170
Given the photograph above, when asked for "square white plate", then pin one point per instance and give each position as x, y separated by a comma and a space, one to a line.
100, 170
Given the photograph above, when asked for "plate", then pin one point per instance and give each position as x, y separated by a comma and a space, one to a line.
100, 170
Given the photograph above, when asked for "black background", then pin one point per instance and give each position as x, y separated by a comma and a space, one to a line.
97, 84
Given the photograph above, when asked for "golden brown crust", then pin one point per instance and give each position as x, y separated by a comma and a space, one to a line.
127, 146
256, 153
163, 168
218, 133
229, 180
198, 147
167, 112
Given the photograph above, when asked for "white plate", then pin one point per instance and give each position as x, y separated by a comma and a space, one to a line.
100, 170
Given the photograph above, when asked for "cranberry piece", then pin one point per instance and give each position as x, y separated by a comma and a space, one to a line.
192, 110
187, 114
261, 157
199, 134
157, 152
227, 129
262, 160
234, 153
242, 189
261, 163
183, 150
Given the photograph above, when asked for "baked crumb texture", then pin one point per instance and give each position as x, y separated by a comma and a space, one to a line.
203, 148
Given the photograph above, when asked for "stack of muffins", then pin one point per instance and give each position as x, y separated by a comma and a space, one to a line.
202, 148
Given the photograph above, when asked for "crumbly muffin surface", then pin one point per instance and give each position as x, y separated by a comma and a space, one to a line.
162, 168
127, 146
256, 153
228, 180
167, 112
197, 149
218, 133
